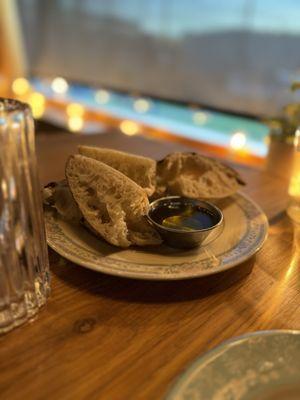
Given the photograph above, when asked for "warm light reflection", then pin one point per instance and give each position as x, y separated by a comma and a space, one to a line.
20, 86
102, 96
200, 117
294, 186
37, 103
295, 260
12, 184
59, 85
75, 123
75, 110
238, 140
4, 189
276, 296
141, 105
129, 128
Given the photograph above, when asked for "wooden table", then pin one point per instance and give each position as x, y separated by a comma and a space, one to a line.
102, 337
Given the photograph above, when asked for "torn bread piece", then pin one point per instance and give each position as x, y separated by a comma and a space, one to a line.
195, 176
141, 170
59, 196
112, 205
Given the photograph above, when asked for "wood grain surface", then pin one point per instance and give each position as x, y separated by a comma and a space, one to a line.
102, 337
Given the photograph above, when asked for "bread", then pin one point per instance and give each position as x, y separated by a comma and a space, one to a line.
58, 196
141, 170
195, 176
107, 190
113, 206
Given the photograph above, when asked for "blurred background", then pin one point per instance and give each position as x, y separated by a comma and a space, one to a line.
211, 72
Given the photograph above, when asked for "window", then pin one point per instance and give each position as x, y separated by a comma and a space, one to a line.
238, 55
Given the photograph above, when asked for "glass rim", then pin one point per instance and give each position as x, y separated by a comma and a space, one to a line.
9, 105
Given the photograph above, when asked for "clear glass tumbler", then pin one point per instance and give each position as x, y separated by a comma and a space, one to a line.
24, 265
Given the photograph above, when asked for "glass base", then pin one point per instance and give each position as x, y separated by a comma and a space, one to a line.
13, 315
25, 309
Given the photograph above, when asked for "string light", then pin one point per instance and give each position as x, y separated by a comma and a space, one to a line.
37, 102
238, 140
200, 117
20, 86
59, 85
141, 105
75, 110
75, 123
129, 128
102, 96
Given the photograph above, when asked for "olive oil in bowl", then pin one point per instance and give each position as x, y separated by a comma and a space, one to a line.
185, 223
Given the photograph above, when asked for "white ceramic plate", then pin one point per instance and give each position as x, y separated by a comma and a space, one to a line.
245, 230
263, 365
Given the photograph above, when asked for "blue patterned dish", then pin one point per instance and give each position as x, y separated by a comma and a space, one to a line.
244, 232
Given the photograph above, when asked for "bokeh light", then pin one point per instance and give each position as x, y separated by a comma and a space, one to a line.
200, 117
59, 85
75, 123
20, 86
75, 110
238, 141
102, 96
129, 128
37, 103
141, 105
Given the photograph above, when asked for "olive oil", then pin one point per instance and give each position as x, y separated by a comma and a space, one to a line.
184, 217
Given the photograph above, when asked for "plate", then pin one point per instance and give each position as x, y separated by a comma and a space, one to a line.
245, 230
263, 365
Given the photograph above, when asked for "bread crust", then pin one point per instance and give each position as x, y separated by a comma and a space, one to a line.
112, 205
142, 170
195, 176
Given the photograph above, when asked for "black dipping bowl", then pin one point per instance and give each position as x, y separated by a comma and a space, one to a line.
177, 237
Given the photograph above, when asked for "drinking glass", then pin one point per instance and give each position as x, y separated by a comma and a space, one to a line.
24, 266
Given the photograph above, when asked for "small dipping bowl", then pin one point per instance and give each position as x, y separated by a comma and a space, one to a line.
185, 223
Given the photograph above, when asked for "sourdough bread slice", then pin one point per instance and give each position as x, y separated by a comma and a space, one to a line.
113, 206
196, 176
141, 170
